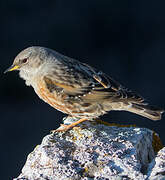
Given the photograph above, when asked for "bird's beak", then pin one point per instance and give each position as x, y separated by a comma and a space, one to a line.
12, 68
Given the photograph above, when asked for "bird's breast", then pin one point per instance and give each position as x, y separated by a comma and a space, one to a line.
52, 98
65, 103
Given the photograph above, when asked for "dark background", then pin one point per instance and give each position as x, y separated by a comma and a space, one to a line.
123, 38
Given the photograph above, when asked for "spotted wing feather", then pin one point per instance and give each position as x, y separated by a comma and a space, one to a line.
76, 79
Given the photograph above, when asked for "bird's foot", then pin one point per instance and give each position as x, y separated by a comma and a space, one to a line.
65, 127
62, 128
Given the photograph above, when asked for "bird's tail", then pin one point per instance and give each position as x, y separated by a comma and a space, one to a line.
146, 110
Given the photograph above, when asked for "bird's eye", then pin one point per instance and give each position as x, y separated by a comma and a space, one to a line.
24, 60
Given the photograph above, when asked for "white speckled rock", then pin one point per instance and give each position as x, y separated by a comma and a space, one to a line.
156, 168
91, 151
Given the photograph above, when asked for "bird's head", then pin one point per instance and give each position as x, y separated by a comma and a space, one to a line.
28, 60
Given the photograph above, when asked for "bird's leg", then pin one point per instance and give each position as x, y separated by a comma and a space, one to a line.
65, 127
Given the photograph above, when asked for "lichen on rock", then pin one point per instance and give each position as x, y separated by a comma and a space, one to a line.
92, 151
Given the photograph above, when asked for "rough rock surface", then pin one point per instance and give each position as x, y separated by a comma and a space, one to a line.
156, 168
93, 151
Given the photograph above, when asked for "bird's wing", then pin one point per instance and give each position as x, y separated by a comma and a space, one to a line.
108, 88
87, 83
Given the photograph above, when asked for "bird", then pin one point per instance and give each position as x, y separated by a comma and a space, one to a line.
75, 88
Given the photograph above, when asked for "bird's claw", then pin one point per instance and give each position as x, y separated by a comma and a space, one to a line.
62, 128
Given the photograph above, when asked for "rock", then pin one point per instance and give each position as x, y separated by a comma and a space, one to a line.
156, 168
92, 151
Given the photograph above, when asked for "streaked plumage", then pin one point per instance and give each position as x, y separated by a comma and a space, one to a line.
75, 88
